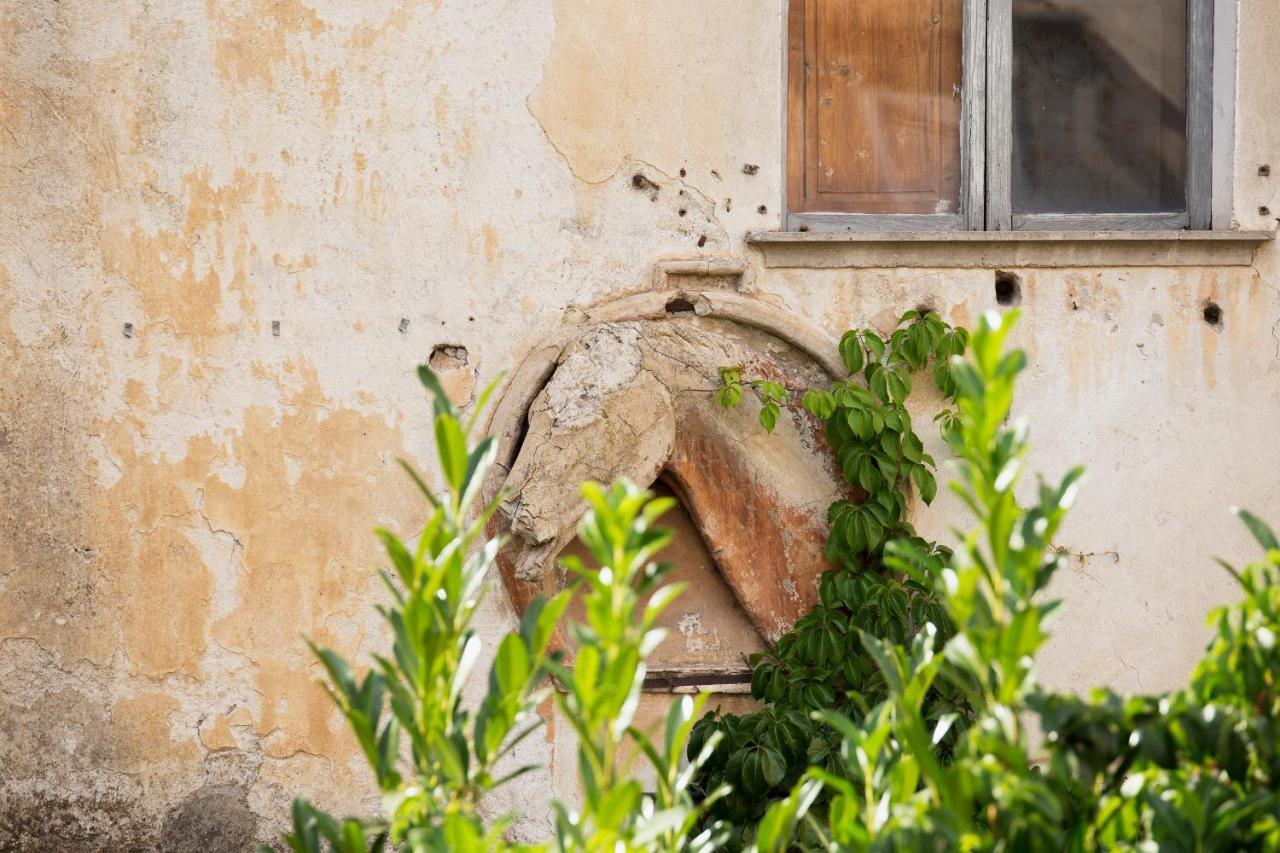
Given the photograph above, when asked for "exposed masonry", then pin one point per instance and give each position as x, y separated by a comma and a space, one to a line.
635, 399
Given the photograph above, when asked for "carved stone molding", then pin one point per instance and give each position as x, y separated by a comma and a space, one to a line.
626, 389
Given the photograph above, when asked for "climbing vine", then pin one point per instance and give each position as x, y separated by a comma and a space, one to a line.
820, 663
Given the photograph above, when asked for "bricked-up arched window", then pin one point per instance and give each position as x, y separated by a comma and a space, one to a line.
709, 636
999, 114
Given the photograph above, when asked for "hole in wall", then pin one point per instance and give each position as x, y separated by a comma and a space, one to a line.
1008, 288
679, 305
448, 357
645, 184
1213, 314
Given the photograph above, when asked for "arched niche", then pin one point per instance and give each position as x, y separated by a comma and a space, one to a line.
709, 634
627, 389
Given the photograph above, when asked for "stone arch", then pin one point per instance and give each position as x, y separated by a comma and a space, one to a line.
626, 389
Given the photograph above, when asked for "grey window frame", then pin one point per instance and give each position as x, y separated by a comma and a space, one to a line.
987, 134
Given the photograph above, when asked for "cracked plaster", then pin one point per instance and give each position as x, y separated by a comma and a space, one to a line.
179, 504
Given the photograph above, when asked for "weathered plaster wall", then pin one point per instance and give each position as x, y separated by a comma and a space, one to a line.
180, 502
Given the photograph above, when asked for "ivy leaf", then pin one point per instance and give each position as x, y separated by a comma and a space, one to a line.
769, 416
876, 382
913, 349
855, 533
874, 344
925, 483
729, 396
759, 682
752, 777
772, 767
859, 423
851, 352
899, 382
777, 685
821, 404
912, 447
943, 379
773, 392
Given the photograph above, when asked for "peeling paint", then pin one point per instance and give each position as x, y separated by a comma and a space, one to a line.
181, 502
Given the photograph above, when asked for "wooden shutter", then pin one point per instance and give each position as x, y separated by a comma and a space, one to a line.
873, 106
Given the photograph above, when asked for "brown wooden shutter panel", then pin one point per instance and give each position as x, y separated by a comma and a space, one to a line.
873, 106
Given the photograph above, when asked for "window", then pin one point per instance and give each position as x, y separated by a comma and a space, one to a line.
999, 114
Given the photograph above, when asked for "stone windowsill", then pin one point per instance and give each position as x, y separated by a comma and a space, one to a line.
977, 249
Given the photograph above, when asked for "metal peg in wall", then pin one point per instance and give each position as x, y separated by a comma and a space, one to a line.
404, 325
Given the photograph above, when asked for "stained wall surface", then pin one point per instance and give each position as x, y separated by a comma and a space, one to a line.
217, 217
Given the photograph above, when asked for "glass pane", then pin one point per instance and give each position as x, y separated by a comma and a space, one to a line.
881, 93
1099, 106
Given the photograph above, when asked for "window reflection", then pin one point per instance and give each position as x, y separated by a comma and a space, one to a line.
1099, 106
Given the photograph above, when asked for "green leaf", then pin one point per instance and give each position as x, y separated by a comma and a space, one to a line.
877, 383
773, 392
1261, 532
768, 416
353, 837
420, 483
851, 353
925, 483
753, 781
874, 344
482, 400
439, 399
912, 447
729, 396
820, 404
478, 462
772, 766
451, 447
511, 666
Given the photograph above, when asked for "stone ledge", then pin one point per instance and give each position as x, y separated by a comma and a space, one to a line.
979, 249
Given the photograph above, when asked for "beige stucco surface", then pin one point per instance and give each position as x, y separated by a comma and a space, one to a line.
179, 504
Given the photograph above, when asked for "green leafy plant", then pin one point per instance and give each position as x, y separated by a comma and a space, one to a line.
415, 693
924, 747
1190, 770
821, 663
601, 691
432, 788
772, 395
